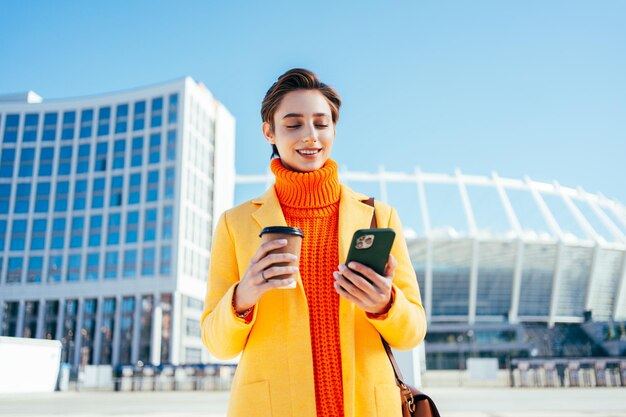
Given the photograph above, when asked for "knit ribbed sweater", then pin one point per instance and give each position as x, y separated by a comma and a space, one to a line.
310, 201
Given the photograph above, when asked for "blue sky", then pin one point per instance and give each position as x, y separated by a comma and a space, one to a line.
530, 87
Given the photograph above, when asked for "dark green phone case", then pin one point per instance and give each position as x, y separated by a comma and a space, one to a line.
371, 247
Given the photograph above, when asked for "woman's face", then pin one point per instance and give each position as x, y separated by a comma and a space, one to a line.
303, 130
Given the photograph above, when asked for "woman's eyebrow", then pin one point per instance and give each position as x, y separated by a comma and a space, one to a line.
301, 115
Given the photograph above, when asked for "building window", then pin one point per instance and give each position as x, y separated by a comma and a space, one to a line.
76, 234
51, 317
147, 262
192, 328
46, 158
69, 331
139, 118
117, 190
171, 145
42, 198
31, 312
136, 151
65, 160
145, 332
14, 271
166, 327
11, 125
130, 263
83, 159
157, 112
80, 194
73, 267
18, 235
168, 213
152, 190
58, 233
132, 226
3, 236
22, 198
86, 123
121, 118
110, 265
7, 163
126, 329
38, 235
166, 260
119, 149
61, 196
87, 331
95, 230
134, 189
97, 197
155, 148
10, 312
55, 268
170, 179
113, 231
101, 157
150, 225
5, 198
93, 261
107, 329
69, 122
35, 266
27, 160
104, 121
50, 126
30, 127
173, 109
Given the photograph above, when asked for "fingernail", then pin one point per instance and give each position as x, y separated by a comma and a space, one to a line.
351, 265
335, 275
341, 267
282, 241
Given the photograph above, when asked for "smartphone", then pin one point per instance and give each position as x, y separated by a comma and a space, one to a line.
371, 247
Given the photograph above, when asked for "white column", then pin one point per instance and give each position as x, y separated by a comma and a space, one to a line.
157, 322
19, 326
40, 318
517, 282
134, 350
60, 318
473, 284
593, 277
176, 323
556, 281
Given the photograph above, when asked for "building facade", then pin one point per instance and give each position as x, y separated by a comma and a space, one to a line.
107, 209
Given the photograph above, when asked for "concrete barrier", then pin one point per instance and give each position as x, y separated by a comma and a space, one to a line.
28, 365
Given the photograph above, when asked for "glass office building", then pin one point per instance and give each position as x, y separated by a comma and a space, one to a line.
107, 206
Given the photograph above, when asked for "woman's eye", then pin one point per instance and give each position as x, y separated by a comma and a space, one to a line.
322, 126
293, 126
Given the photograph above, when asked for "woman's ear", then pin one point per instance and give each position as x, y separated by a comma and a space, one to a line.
268, 132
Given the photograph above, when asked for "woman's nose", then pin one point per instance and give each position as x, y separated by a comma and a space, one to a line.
311, 134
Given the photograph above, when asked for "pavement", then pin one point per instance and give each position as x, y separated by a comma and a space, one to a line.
452, 402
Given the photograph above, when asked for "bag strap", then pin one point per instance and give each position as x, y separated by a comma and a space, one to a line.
396, 369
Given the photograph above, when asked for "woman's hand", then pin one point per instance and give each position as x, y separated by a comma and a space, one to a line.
257, 279
374, 297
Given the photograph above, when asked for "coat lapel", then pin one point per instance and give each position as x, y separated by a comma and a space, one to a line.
269, 212
353, 215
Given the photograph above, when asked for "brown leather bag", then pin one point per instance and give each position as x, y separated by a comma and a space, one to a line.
414, 402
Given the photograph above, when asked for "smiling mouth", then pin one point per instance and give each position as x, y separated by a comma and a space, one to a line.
308, 151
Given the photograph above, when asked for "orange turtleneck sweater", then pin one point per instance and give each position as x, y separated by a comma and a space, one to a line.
310, 201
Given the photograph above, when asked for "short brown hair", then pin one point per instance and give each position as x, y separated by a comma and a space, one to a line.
297, 79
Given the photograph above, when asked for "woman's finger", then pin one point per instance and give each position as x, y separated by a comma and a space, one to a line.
267, 247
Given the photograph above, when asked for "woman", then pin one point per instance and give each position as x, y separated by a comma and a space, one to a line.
314, 350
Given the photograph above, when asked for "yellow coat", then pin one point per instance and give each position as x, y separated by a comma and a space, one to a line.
275, 372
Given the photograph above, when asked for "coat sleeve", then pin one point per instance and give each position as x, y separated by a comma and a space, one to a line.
223, 333
404, 325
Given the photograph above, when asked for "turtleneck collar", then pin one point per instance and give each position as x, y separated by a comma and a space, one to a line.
313, 189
